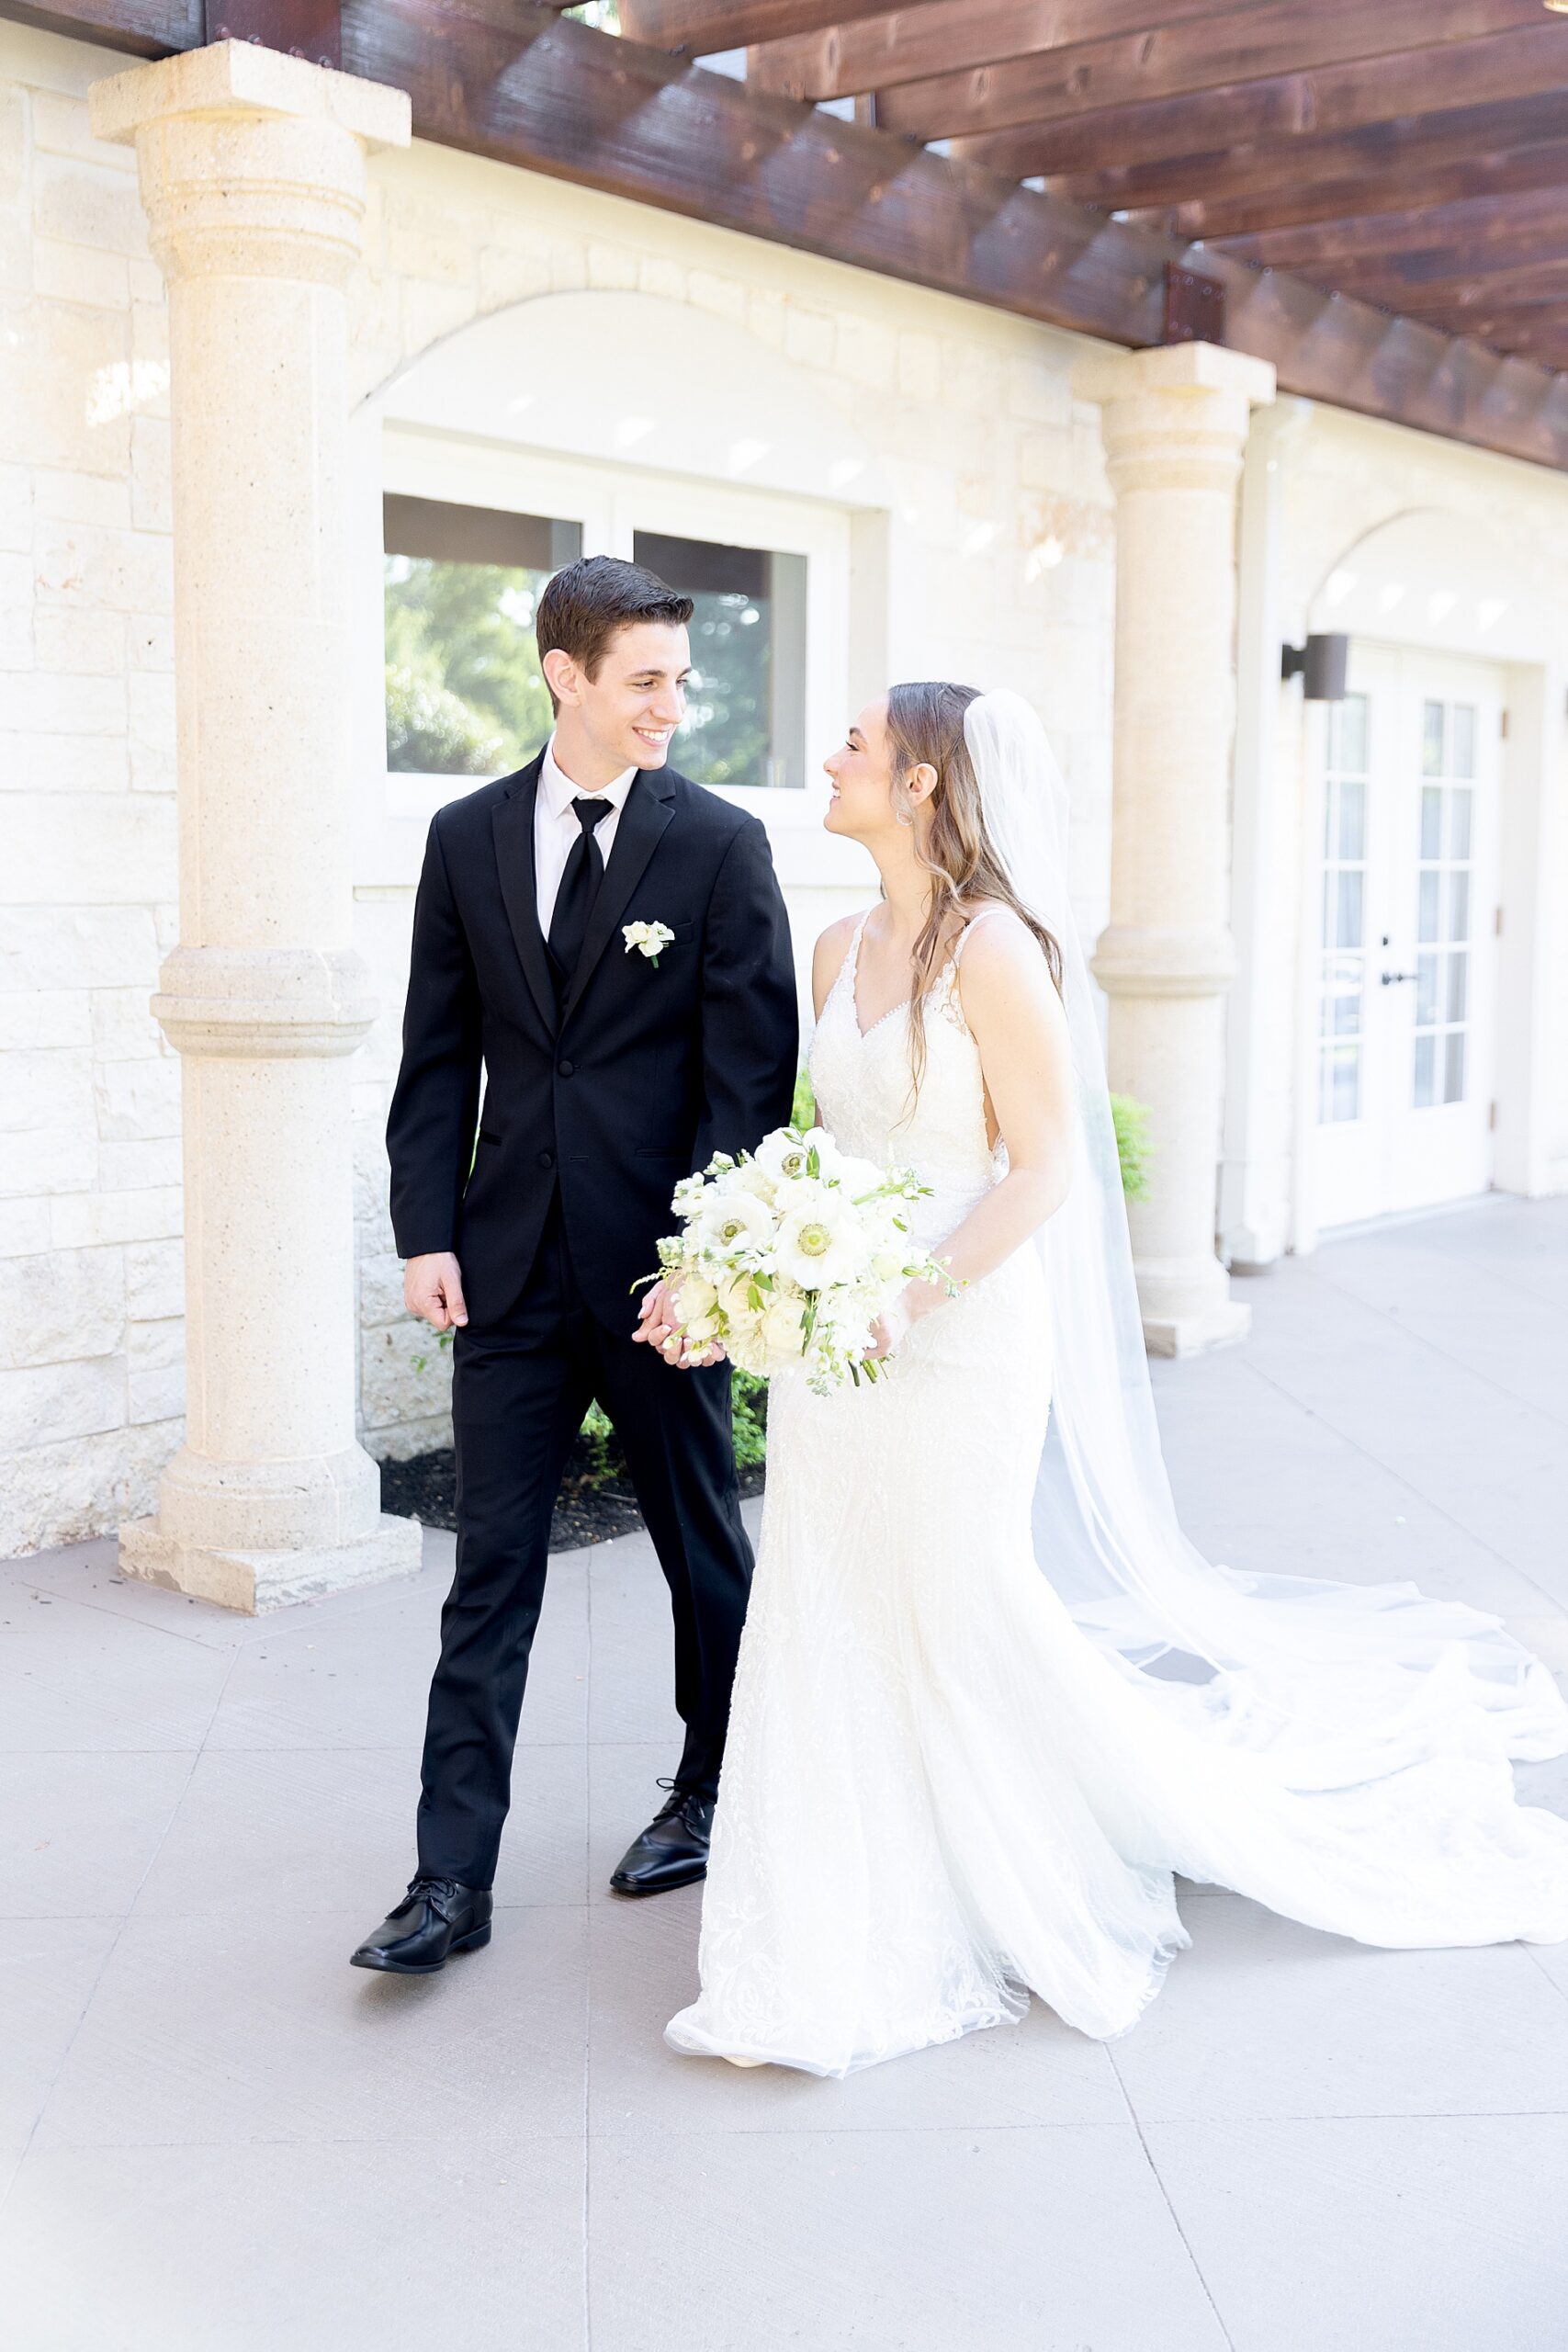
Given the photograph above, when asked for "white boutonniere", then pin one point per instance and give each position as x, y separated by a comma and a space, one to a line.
650, 939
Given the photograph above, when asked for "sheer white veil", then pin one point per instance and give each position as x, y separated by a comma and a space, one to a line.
1351, 1672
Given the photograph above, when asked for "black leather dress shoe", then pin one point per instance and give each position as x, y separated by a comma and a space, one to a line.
438, 1916
672, 1850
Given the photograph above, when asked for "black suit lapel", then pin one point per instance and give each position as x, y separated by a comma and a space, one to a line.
512, 823
638, 830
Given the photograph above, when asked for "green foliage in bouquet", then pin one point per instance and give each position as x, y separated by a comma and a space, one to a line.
1134, 1147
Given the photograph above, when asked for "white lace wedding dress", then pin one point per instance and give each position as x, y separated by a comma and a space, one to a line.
939, 1795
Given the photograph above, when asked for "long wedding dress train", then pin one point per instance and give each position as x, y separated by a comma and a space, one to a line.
939, 1794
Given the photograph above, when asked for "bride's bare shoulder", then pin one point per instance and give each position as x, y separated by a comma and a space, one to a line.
828, 957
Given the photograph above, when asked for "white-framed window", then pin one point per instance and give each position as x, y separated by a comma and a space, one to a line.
473, 530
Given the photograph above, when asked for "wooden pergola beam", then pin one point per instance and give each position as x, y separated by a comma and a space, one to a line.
1453, 299
698, 27
1275, 40
139, 28
510, 80
907, 44
1378, 155
1458, 239
1276, 112
1420, 186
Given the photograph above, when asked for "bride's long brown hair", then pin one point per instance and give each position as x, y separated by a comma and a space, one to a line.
925, 727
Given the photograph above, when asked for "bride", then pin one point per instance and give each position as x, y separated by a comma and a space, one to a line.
990, 1699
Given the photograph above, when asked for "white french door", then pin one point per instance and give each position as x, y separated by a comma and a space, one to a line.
1405, 926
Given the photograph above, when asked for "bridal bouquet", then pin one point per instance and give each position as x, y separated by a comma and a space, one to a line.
788, 1255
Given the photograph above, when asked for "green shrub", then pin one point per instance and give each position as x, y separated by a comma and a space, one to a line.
1133, 1146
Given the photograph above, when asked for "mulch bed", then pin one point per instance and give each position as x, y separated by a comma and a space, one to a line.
590, 1508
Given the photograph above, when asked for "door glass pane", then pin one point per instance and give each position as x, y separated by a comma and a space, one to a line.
1431, 821
1424, 1051
1453, 1067
1350, 735
1459, 824
1426, 919
1352, 820
1348, 931
1464, 738
1458, 970
464, 693
1425, 988
1458, 904
746, 706
1432, 739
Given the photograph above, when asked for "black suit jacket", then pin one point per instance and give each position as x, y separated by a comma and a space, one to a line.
641, 1075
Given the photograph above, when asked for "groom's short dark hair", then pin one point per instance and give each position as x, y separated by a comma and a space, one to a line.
587, 600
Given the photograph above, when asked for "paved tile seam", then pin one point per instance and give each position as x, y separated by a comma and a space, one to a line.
1554, 1607
1176, 2223
1421, 1340
92, 1993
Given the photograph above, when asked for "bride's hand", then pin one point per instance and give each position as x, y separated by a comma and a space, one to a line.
888, 1330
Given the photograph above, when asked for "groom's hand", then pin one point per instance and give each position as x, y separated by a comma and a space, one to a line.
659, 1325
433, 1288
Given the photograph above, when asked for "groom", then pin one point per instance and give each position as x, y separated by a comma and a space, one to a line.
610, 1072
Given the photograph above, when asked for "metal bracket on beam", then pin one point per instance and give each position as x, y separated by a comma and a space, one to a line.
1194, 307
308, 28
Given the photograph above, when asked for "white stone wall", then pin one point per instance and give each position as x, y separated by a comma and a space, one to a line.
998, 566
91, 1375
1002, 522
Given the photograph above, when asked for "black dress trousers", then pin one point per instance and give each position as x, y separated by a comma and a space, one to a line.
521, 1385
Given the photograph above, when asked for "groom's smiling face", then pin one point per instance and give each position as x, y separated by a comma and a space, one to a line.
626, 715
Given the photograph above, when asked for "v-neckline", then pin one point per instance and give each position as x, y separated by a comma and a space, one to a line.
853, 970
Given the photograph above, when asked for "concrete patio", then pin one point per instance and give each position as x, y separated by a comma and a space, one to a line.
217, 2138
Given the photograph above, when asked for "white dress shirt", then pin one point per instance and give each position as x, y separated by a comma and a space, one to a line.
557, 830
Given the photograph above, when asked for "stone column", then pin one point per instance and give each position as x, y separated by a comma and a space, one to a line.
253, 174
1175, 421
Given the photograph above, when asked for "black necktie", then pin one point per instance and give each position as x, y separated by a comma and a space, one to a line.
579, 889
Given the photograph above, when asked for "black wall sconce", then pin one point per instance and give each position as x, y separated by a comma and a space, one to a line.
1320, 664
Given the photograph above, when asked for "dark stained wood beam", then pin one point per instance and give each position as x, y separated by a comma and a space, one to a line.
1420, 187
1459, 239
907, 44
1275, 39
1379, 156
507, 79
1457, 299
139, 28
700, 27
1335, 98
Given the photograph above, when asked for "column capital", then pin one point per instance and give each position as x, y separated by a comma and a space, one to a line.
1105, 376
251, 163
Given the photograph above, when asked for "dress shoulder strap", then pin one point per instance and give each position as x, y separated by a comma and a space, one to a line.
973, 924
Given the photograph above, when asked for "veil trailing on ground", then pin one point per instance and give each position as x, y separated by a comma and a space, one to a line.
1354, 1677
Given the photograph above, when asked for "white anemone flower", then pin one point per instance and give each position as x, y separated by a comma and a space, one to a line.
786, 1158
728, 1222
820, 1243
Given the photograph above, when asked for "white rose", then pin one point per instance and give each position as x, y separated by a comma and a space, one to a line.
780, 1328
858, 1176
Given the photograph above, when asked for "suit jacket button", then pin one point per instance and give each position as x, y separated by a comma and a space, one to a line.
566, 1068
546, 1160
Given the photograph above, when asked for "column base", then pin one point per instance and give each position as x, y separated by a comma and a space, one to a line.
1189, 1335
258, 1581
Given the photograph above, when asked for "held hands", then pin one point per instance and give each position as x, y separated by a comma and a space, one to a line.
432, 1289
658, 1326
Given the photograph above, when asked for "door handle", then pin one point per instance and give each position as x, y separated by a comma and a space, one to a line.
1389, 979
